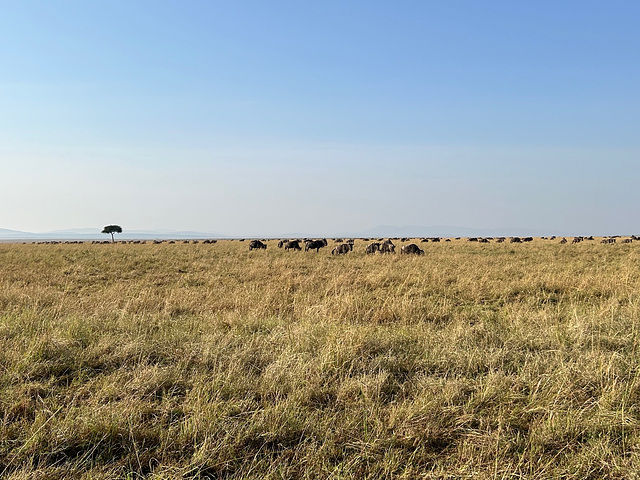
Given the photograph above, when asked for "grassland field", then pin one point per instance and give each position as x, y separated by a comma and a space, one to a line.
187, 361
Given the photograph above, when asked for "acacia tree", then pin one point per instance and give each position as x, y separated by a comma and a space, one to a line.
112, 229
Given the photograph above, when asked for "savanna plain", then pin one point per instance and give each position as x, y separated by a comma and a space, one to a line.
187, 361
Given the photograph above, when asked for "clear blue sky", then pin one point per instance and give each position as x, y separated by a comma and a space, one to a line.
256, 117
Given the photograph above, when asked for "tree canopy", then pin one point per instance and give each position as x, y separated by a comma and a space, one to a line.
112, 229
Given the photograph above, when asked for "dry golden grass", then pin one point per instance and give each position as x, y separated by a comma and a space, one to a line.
210, 361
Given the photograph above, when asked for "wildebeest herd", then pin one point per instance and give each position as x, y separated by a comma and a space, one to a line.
381, 246
387, 246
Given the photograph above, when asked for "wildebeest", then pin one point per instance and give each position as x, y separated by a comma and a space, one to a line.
515, 240
412, 249
257, 244
608, 240
315, 245
373, 248
563, 241
577, 239
527, 239
342, 249
387, 247
292, 245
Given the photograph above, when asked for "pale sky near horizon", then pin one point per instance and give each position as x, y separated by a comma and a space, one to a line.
258, 118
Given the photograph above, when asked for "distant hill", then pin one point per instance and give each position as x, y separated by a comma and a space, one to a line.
5, 233
95, 234
413, 231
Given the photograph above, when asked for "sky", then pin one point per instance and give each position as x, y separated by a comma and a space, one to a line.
261, 118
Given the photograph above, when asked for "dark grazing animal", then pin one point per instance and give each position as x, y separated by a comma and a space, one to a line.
257, 244
342, 249
373, 248
387, 247
292, 245
412, 249
314, 245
